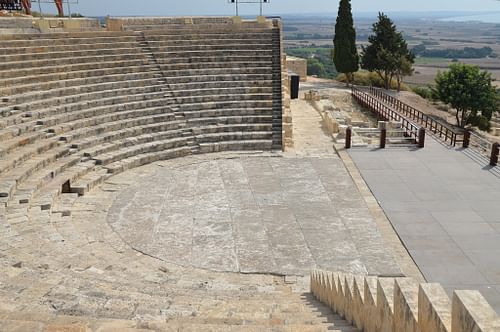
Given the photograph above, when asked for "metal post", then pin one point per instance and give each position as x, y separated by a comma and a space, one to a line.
261, 7
466, 139
348, 137
494, 154
383, 138
69, 9
421, 138
237, 11
40, 8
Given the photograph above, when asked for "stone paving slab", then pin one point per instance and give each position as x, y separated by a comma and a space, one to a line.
280, 215
445, 207
252, 214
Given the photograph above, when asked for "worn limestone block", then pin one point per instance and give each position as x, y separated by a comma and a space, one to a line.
472, 313
370, 310
434, 308
331, 289
341, 296
358, 304
385, 304
406, 305
349, 298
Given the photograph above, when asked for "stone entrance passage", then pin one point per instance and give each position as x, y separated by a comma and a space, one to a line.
252, 214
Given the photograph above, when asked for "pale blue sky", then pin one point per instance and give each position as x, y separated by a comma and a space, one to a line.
221, 7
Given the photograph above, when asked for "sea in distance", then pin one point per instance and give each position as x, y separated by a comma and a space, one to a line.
486, 18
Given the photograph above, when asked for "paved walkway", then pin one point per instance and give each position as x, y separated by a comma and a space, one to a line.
445, 206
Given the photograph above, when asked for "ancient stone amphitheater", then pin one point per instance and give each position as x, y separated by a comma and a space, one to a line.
114, 217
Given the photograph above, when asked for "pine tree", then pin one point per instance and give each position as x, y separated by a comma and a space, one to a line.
388, 54
345, 53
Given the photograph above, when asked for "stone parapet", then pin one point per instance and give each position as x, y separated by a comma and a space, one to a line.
376, 304
151, 23
30, 25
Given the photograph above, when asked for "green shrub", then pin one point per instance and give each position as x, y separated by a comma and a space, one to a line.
366, 78
425, 92
481, 122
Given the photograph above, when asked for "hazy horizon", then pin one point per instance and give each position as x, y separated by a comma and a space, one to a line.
276, 7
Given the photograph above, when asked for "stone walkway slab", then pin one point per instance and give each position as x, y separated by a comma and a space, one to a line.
445, 207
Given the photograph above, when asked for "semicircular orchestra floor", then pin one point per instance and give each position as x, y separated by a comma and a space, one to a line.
248, 213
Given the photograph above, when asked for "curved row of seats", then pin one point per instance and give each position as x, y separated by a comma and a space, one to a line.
76, 108
69, 269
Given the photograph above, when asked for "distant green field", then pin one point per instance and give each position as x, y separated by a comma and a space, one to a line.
319, 60
431, 61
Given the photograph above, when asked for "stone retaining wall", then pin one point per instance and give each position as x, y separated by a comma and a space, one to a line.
287, 112
298, 66
375, 304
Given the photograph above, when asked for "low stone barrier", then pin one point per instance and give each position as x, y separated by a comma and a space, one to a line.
375, 304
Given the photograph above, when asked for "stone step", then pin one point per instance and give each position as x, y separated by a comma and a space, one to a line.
64, 61
136, 149
202, 47
115, 99
214, 69
214, 113
257, 92
199, 81
222, 105
228, 128
144, 80
211, 57
221, 98
67, 36
157, 42
65, 68
253, 145
60, 81
146, 158
199, 35
65, 54
31, 82
50, 47
11, 179
233, 136
75, 118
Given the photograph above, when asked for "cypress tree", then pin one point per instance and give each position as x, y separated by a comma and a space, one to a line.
345, 53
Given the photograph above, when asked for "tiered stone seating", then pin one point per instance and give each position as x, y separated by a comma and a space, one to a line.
68, 271
225, 74
78, 107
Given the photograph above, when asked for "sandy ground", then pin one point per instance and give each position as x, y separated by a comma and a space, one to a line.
408, 97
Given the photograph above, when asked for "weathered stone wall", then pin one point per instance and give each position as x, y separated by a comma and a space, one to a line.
148, 23
298, 66
14, 25
401, 304
287, 112
56, 24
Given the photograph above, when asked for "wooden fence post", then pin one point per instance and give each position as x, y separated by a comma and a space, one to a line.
348, 137
466, 138
383, 138
421, 138
494, 154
